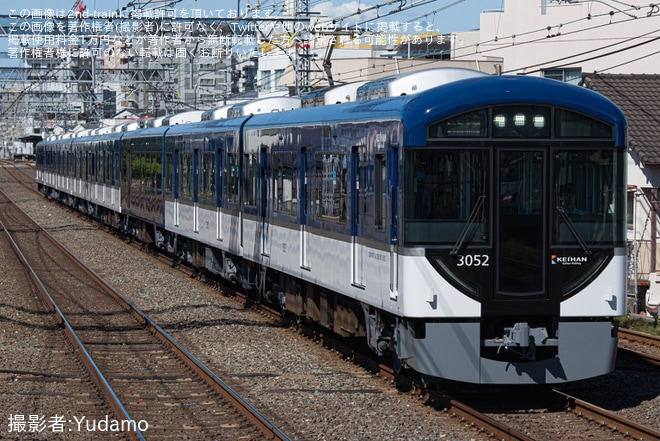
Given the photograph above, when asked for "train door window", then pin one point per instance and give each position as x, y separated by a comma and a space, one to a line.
447, 194
521, 226
232, 177
219, 174
358, 198
331, 186
91, 168
107, 170
285, 185
207, 187
115, 168
186, 181
98, 166
380, 192
250, 179
169, 174
124, 166
83, 164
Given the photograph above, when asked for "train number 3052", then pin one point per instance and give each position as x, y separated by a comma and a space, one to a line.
473, 260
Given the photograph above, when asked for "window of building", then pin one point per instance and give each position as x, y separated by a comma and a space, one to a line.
569, 75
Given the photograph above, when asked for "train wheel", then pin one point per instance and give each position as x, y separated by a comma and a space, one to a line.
398, 364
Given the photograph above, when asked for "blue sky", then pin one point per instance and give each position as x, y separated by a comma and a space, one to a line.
443, 16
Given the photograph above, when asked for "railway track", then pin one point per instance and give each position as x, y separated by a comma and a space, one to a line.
153, 386
568, 410
580, 414
639, 345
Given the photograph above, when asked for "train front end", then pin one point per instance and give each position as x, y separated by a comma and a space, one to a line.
513, 247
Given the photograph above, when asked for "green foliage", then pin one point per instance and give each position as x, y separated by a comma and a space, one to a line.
636, 323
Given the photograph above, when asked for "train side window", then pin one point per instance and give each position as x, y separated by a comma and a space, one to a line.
380, 192
286, 180
186, 182
207, 189
331, 186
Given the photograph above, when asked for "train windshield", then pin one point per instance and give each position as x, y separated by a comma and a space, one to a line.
446, 196
589, 197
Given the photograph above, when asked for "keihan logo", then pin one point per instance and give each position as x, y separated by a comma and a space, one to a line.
567, 260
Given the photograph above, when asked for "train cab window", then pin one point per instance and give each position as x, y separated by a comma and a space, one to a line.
285, 184
447, 193
589, 197
331, 186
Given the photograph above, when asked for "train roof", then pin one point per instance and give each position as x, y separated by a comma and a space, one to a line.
183, 118
213, 125
413, 82
217, 113
508, 89
419, 110
343, 93
264, 105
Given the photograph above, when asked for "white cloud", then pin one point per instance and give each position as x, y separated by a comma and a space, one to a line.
347, 9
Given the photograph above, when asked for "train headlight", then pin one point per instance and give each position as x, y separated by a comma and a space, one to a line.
519, 119
538, 121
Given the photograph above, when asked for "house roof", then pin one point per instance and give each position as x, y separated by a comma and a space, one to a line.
638, 96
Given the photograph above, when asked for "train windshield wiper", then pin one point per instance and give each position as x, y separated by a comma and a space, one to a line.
468, 225
574, 231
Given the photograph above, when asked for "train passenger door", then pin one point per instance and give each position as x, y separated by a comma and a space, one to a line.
521, 231
393, 185
195, 174
176, 160
263, 201
358, 188
302, 206
217, 145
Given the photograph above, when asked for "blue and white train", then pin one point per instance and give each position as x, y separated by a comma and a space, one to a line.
475, 230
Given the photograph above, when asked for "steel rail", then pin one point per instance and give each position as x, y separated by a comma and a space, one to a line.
609, 420
93, 370
263, 424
